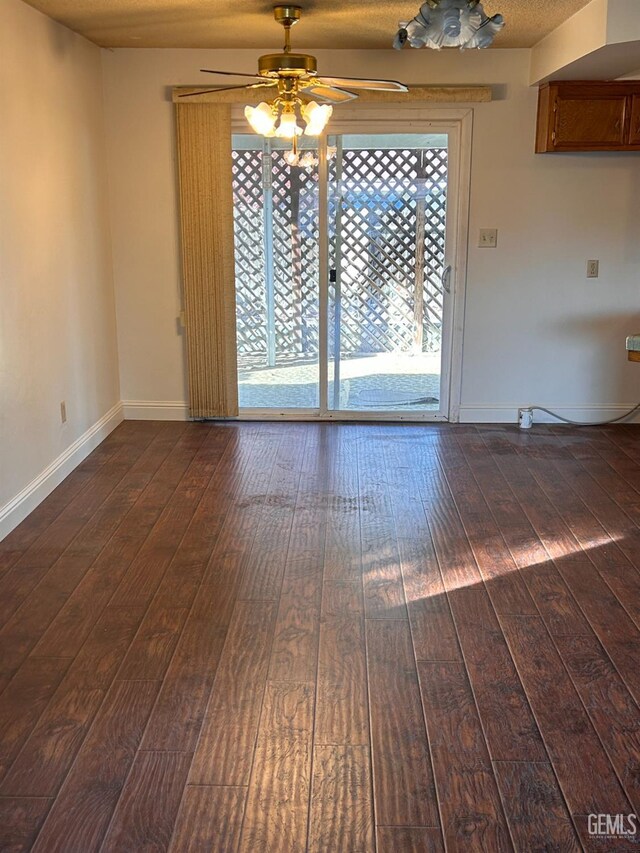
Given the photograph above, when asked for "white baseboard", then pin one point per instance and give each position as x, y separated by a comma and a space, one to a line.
178, 410
478, 414
19, 507
155, 410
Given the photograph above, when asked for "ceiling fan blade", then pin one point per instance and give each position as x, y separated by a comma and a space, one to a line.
231, 74
329, 93
227, 89
362, 83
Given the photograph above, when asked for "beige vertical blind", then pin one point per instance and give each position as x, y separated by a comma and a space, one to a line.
206, 213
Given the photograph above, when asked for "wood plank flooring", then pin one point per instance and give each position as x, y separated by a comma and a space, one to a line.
325, 637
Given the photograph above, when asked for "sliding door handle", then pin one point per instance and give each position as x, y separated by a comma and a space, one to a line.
446, 278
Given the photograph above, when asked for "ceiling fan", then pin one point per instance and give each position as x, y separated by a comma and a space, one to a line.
296, 84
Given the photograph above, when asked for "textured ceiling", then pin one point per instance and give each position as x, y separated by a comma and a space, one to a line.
249, 23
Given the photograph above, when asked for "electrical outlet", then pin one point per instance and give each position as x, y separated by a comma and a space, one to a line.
593, 269
63, 412
488, 238
525, 418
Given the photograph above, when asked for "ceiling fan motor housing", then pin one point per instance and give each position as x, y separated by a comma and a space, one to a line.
287, 64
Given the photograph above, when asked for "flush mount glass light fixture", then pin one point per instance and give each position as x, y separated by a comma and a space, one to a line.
449, 23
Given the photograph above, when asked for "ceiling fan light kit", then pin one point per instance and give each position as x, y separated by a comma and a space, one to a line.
295, 78
449, 23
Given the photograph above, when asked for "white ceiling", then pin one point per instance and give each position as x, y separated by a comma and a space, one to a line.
249, 23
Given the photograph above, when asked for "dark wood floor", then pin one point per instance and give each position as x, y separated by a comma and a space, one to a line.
279, 637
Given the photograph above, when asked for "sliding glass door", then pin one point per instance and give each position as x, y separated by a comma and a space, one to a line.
276, 237
388, 272
365, 331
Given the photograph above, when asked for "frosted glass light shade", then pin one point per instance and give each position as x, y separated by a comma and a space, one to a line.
288, 127
316, 117
261, 118
452, 23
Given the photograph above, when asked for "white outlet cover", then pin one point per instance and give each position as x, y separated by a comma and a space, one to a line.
593, 269
488, 238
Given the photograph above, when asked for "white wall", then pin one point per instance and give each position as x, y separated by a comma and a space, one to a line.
57, 315
536, 330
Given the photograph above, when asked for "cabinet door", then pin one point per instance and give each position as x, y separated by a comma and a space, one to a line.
589, 122
635, 120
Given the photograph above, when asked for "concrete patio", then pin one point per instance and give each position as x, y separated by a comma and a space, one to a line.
377, 382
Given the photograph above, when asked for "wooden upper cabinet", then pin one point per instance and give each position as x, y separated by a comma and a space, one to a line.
635, 120
588, 116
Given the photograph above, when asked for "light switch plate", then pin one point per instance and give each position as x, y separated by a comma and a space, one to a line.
488, 238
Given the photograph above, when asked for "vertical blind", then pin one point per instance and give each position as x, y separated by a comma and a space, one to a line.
206, 223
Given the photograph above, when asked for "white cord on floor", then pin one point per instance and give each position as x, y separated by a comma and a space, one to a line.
585, 423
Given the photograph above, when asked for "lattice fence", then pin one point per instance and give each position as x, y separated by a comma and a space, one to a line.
393, 216
392, 211
295, 257
248, 211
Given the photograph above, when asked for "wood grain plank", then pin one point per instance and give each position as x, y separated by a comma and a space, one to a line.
342, 710
432, 625
294, 655
403, 780
20, 822
277, 804
151, 649
210, 818
83, 808
23, 630
273, 509
23, 702
49, 751
178, 714
75, 620
143, 577
148, 806
409, 839
225, 750
554, 601
177, 717
470, 807
584, 772
509, 725
595, 520
607, 617
505, 713
342, 547
341, 814
19, 581
16, 543
381, 569
509, 593
534, 806
613, 712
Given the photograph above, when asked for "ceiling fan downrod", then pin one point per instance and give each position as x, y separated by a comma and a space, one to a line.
288, 16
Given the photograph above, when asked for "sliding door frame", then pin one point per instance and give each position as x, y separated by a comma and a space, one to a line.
397, 118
